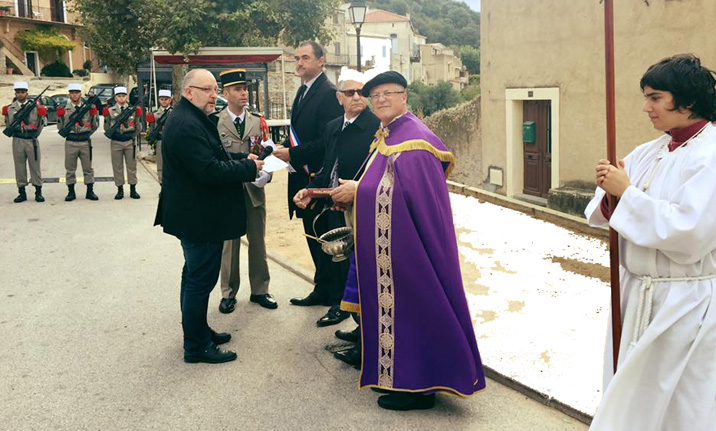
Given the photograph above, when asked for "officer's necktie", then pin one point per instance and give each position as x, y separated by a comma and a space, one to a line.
239, 127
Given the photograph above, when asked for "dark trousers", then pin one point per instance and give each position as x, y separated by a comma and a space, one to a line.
330, 277
202, 261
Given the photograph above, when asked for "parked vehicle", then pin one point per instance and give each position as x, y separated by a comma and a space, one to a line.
60, 99
105, 92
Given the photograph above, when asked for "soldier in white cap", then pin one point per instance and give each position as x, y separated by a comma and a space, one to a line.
124, 151
78, 144
156, 120
25, 148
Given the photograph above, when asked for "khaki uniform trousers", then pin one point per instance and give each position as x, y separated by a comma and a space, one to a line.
158, 151
23, 153
258, 266
78, 150
124, 153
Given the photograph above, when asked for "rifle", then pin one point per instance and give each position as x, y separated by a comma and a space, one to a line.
22, 114
77, 116
158, 126
121, 118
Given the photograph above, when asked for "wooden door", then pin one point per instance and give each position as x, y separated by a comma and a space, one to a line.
538, 154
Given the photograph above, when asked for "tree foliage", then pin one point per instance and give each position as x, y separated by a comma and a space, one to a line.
428, 99
48, 42
123, 32
449, 22
470, 57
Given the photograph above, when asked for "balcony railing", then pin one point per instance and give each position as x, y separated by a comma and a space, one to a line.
30, 11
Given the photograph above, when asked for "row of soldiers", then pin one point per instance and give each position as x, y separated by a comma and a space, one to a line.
76, 122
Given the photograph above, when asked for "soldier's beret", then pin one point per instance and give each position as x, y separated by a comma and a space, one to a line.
232, 77
390, 77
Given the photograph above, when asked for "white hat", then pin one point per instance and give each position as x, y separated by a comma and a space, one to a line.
21, 86
120, 90
351, 75
74, 86
165, 93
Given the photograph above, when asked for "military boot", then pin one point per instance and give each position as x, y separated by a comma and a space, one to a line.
70, 193
120, 193
133, 192
38, 194
22, 196
90, 193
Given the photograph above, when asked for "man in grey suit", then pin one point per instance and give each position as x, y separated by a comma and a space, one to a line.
240, 133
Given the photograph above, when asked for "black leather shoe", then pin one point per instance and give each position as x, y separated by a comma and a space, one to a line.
133, 192
211, 355
227, 305
220, 337
380, 390
350, 336
120, 193
350, 357
266, 301
334, 316
311, 299
406, 401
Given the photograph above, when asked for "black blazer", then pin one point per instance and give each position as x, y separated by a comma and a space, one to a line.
309, 118
202, 195
350, 147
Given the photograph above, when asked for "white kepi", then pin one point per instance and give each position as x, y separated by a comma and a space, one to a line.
74, 86
21, 86
165, 93
120, 90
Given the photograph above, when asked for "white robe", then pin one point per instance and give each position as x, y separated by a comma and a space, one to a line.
665, 381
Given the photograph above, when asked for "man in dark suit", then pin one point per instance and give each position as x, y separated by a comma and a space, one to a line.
346, 141
314, 106
201, 200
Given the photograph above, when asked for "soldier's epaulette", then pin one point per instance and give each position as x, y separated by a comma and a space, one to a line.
256, 114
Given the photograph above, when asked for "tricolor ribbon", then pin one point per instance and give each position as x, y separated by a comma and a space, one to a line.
295, 142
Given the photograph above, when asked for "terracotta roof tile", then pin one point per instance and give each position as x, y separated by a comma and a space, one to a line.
380, 15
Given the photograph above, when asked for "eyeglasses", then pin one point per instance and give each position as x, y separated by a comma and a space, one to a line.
375, 97
351, 93
207, 89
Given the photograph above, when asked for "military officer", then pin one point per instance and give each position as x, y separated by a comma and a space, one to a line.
240, 133
124, 150
78, 144
156, 120
25, 147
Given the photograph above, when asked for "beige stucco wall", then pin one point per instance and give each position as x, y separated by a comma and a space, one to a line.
557, 43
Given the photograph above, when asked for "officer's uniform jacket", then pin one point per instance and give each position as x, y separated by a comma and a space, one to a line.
158, 113
234, 144
33, 124
84, 128
129, 129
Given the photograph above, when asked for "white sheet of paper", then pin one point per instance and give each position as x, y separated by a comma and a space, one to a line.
273, 164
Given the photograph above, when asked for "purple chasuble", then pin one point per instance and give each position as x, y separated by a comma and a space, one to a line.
416, 326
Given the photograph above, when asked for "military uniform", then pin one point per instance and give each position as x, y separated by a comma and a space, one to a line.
157, 114
78, 145
242, 134
26, 148
124, 150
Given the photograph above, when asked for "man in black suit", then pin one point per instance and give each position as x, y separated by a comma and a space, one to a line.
314, 106
346, 142
201, 200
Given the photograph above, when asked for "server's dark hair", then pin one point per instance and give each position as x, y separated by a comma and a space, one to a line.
692, 85
317, 48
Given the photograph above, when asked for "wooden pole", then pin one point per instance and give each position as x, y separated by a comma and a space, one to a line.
612, 156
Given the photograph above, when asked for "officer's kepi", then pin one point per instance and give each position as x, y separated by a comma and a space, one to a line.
232, 77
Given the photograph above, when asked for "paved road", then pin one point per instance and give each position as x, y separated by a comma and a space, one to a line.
91, 338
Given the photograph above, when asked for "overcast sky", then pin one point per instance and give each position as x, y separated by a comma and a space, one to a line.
474, 4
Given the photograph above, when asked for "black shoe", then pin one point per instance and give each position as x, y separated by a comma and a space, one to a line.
90, 193
350, 357
351, 336
381, 390
120, 193
38, 194
266, 301
227, 305
311, 299
211, 355
133, 192
22, 196
406, 401
70, 193
220, 337
334, 316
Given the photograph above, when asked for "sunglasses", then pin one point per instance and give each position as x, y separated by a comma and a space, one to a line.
351, 93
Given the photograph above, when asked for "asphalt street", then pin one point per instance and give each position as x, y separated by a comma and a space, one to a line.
91, 336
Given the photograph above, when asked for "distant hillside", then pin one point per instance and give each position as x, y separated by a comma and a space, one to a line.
445, 21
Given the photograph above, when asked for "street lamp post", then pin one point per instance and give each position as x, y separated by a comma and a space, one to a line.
357, 11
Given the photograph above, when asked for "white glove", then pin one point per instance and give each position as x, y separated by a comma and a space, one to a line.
263, 179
